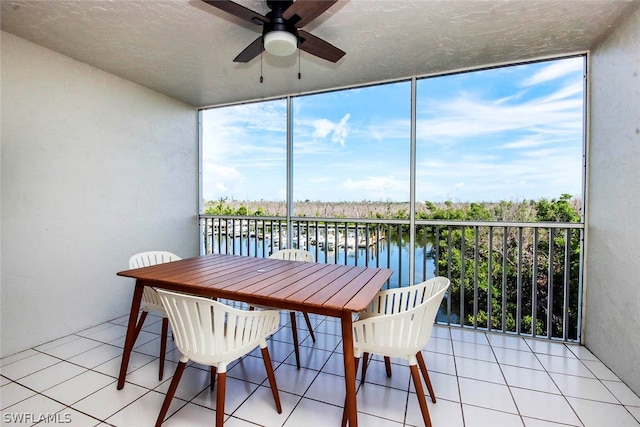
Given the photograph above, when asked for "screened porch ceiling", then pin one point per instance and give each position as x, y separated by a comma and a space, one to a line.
185, 48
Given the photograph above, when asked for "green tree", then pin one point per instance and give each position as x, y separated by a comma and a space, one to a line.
480, 264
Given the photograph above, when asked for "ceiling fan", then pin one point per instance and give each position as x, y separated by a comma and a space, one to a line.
281, 28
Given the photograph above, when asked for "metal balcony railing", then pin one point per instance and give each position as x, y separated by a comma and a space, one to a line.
515, 278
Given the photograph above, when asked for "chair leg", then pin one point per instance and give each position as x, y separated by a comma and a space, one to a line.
344, 410
425, 374
365, 360
170, 393
222, 386
213, 377
294, 330
163, 346
272, 378
387, 365
417, 382
306, 319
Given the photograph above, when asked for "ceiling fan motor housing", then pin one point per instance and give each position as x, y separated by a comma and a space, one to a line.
279, 35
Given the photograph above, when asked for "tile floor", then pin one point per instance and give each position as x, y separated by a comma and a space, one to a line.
479, 378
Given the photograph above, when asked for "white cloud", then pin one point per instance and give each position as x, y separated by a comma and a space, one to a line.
243, 130
386, 130
555, 70
546, 172
565, 92
341, 130
221, 180
467, 116
322, 128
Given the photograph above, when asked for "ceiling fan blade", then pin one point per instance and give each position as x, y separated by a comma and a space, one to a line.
254, 49
238, 10
318, 47
306, 11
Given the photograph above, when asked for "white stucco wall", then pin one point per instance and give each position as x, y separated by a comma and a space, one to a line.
94, 169
612, 327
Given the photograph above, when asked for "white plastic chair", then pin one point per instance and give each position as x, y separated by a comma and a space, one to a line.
295, 255
150, 300
214, 334
398, 323
382, 305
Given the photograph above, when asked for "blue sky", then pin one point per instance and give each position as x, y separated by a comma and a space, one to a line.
508, 133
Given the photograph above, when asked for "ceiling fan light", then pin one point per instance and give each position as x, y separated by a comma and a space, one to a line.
281, 43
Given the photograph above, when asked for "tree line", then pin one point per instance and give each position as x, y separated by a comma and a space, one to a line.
563, 209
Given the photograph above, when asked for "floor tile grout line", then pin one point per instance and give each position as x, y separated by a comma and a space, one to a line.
38, 370
599, 380
455, 366
554, 383
149, 391
515, 403
65, 405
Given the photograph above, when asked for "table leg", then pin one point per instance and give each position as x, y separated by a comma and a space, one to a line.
131, 333
349, 370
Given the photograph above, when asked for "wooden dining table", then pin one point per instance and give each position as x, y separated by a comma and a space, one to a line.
326, 289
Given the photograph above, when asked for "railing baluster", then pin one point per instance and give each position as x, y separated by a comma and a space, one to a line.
367, 242
377, 247
399, 256
233, 236
263, 231
449, 264
425, 245
356, 238
567, 273
218, 236
580, 234
490, 281
326, 242
534, 284
475, 275
519, 285
436, 255
247, 235
505, 232
462, 275
346, 235
550, 286
336, 233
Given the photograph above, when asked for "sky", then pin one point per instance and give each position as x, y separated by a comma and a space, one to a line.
511, 133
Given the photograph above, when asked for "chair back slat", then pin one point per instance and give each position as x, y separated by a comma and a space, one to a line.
293, 255
145, 259
150, 299
397, 300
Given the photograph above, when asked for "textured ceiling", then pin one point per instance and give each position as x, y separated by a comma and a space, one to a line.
185, 48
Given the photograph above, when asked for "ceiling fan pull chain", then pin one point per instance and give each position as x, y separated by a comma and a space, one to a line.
261, 79
299, 74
